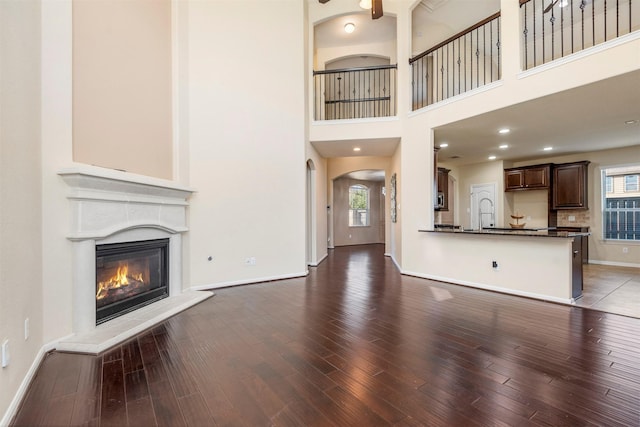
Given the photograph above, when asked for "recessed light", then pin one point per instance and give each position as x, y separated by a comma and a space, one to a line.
548, 148
356, 148
492, 157
349, 27
505, 130
503, 146
444, 145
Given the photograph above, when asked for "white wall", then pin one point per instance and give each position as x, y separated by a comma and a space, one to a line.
541, 267
20, 192
247, 140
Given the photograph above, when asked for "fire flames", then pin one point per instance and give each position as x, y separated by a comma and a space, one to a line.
121, 279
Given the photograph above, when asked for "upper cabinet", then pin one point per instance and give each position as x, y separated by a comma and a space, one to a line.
527, 178
570, 186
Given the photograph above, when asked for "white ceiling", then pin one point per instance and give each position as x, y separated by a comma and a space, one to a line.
366, 175
380, 147
587, 118
331, 33
433, 21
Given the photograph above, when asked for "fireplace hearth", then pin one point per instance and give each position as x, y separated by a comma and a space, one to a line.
130, 275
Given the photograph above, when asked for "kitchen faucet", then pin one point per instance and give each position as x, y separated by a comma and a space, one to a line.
480, 213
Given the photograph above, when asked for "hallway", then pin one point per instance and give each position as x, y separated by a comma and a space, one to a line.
354, 343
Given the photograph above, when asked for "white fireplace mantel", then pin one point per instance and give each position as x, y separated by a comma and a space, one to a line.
111, 206
106, 201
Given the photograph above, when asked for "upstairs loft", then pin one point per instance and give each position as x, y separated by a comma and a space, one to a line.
564, 42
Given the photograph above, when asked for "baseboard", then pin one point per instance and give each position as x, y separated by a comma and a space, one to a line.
614, 263
395, 262
26, 381
317, 263
499, 289
248, 281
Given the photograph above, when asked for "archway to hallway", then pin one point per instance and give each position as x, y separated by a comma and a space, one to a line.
311, 220
359, 208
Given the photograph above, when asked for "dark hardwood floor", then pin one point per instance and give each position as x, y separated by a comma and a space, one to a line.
354, 344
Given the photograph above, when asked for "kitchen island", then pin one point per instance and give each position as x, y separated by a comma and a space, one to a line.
538, 263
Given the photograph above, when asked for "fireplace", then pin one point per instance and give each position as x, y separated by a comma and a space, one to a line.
130, 275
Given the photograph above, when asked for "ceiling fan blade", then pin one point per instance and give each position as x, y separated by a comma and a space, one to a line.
376, 9
550, 6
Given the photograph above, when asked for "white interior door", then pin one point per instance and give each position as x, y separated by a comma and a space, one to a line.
483, 205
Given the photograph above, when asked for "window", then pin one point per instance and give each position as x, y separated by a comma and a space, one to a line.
358, 206
631, 183
621, 209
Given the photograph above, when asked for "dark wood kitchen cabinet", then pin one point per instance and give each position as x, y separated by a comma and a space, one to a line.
569, 189
584, 250
576, 268
527, 178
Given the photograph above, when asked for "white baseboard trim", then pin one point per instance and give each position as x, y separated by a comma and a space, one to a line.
26, 381
395, 262
317, 263
614, 263
248, 281
492, 288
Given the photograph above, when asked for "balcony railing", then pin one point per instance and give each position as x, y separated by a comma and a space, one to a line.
355, 93
464, 62
553, 29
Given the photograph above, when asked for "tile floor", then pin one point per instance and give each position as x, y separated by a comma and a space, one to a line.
611, 289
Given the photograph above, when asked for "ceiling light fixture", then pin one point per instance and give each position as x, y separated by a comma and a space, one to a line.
444, 145
365, 4
548, 148
356, 148
349, 27
631, 122
503, 146
492, 157
505, 130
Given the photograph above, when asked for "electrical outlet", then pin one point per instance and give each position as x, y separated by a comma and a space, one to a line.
625, 250
250, 261
5, 353
494, 264
26, 329
572, 218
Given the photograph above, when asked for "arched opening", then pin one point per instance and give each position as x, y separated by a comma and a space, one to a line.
359, 200
311, 221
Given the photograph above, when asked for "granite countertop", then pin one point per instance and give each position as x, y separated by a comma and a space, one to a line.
533, 232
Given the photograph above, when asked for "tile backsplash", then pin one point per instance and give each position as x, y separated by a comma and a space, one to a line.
582, 218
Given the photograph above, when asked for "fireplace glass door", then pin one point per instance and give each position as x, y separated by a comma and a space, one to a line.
129, 276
